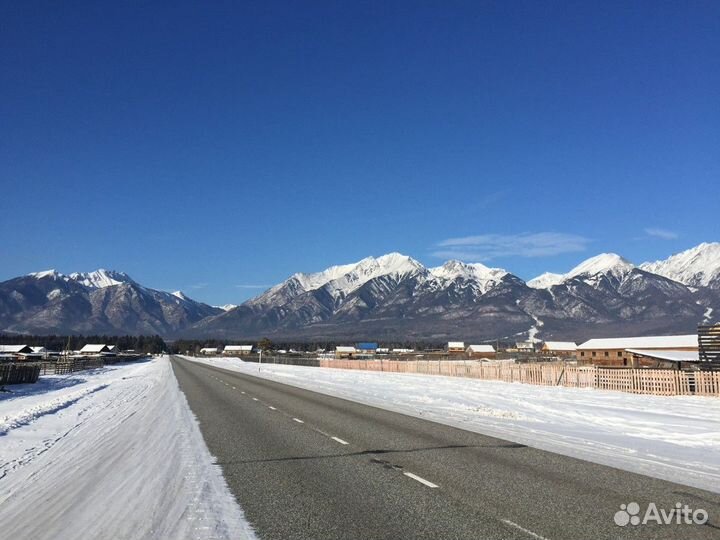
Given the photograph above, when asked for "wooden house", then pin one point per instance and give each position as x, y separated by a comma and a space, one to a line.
615, 351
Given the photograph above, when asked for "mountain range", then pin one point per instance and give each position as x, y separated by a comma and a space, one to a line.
392, 297
100, 302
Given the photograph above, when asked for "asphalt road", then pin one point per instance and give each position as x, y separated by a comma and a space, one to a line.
306, 465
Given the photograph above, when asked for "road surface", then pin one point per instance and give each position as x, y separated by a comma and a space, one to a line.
306, 465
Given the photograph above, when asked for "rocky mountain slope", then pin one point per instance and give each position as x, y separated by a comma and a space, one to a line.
392, 297
95, 302
395, 297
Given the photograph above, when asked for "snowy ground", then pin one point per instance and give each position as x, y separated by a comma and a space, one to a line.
673, 438
113, 453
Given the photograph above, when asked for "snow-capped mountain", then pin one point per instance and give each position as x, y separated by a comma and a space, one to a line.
696, 267
394, 295
227, 307
339, 281
390, 297
546, 280
485, 278
100, 278
606, 264
103, 301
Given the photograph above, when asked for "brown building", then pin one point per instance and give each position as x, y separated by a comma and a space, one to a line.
614, 351
665, 359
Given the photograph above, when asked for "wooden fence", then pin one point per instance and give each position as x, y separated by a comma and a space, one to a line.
65, 366
17, 373
663, 382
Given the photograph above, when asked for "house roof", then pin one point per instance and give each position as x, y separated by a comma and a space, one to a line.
367, 346
230, 348
670, 356
14, 348
345, 349
644, 342
94, 348
481, 348
38, 349
524, 345
456, 345
561, 345
209, 349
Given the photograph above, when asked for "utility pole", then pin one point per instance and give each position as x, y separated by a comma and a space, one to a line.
260, 362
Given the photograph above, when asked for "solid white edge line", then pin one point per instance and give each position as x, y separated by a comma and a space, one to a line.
298, 421
421, 480
338, 439
523, 529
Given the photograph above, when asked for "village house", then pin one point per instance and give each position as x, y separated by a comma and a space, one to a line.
559, 348
15, 352
237, 350
345, 352
456, 347
480, 351
617, 351
366, 347
209, 351
665, 359
94, 349
525, 346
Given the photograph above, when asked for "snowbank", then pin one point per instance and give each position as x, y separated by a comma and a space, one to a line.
673, 438
112, 453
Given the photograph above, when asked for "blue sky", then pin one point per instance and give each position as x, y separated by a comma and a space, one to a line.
219, 147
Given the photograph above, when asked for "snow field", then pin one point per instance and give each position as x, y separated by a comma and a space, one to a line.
113, 453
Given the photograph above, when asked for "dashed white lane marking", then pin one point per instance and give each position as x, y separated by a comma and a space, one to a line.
272, 408
421, 480
338, 439
298, 421
255, 399
523, 529
242, 391
234, 388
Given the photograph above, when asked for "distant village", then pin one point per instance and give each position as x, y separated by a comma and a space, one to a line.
687, 351
31, 353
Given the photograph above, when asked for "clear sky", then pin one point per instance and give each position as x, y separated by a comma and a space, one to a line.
219, 147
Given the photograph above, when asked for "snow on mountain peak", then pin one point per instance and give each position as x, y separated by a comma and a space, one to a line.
697, 267
348, 277
605, 263
454, 269
546, 280
46, 273
100, 278
180, 295
227, 307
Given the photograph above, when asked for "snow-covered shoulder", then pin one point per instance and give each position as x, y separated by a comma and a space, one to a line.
112, 453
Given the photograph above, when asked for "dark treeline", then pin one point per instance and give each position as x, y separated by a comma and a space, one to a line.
139, 344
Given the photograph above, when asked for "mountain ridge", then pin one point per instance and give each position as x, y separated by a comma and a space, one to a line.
390, 296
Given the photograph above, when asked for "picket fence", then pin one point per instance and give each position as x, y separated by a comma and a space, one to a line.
661, 382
